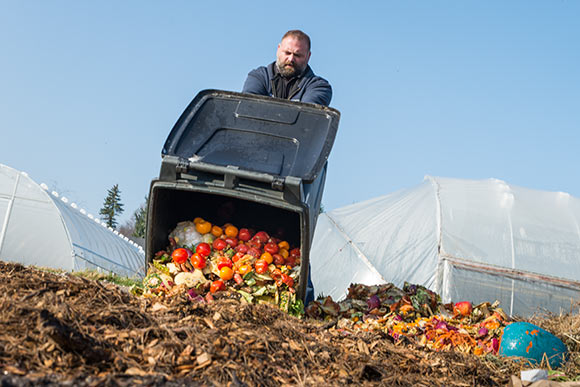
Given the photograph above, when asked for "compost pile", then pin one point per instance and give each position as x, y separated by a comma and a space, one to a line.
60, 329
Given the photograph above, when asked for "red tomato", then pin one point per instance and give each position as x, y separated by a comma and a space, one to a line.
288, 280
290, 261
254, 252
203, 249
244, 234
198, 261
219, 244
254, 244
237, 256
278, 260
242, 248
180, 256
295, 252
271, 248
232, 241
463, 308
224, 261
275, 274
261, 237
261, 266
217, 285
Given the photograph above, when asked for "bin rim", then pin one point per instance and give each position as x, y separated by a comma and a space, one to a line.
313, 144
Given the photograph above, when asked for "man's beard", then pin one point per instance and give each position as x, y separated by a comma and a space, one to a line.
288, 70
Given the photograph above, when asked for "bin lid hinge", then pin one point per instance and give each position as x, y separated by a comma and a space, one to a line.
277, 183
293, 189
182, 165
231, 179
171, 167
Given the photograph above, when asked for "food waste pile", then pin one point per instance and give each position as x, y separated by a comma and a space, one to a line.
202, 259
416, 314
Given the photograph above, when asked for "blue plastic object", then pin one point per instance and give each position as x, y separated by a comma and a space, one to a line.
529, 341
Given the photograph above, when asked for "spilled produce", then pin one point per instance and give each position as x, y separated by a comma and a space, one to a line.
207, 260
416, 313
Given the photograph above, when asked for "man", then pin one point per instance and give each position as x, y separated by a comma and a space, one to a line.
290, 77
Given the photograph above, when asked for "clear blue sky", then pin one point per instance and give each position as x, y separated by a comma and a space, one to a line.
466, 89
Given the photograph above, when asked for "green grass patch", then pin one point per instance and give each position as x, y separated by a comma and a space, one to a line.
95, 275
108, 277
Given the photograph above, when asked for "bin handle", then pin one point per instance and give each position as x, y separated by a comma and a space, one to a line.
172, 166
229, 170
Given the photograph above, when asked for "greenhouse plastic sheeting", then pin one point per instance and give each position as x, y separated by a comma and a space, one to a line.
31, 230
42, 229
476, 240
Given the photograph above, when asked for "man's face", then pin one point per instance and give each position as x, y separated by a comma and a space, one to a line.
292, 56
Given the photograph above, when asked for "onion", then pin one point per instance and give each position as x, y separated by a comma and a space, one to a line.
482, 332
193, 296
495, 344
373, 302
442, 325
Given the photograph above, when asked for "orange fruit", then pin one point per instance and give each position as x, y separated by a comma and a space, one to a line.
203, 227
267, 257
244, 269
217, 231
226, 273
231, 231
198, 220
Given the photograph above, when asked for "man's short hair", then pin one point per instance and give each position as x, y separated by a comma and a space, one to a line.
298, 35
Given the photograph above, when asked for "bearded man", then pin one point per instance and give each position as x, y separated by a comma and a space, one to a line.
290, 77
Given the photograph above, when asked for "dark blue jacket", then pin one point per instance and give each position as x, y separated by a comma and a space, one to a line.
311, 88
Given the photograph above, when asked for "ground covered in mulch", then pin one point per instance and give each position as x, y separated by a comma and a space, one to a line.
58, 329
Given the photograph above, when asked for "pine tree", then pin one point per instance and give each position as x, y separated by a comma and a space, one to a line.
112, 206
140, 216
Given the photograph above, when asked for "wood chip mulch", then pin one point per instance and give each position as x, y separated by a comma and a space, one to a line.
60, 329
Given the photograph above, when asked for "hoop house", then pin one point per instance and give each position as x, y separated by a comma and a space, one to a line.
42, 229
476, 240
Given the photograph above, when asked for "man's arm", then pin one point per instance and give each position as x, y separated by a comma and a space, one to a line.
319, 92
256, 82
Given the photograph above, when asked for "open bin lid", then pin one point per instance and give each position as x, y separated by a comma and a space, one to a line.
255, 133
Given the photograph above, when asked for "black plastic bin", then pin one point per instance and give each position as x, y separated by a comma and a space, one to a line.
254, 161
